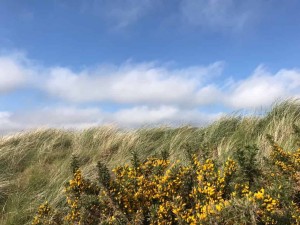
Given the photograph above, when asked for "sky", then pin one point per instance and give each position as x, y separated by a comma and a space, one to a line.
134, 63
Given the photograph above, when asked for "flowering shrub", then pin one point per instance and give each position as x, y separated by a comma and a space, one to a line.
157, 191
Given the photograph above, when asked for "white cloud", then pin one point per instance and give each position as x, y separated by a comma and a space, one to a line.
6, 124
66, 117
60, 117
13, 72
167, 115
263, 88
144, 115
140, 83
78, 118
145, 93
219, 14
293, 76
209, 94
150, 84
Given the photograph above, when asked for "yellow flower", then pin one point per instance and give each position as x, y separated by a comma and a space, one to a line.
219, 207
260, 194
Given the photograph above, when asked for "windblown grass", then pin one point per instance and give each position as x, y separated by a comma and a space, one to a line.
35, 165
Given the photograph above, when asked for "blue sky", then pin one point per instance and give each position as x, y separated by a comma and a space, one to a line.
76, 64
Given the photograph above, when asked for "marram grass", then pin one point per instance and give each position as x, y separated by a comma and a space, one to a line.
35, 166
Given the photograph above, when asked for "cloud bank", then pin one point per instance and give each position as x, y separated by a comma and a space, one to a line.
143, 83
139, 93
78, 118
158, 85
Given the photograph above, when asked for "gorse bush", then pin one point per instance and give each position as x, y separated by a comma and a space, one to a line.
248, 164
156, 191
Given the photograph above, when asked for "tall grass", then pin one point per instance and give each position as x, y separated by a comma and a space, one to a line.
35, 165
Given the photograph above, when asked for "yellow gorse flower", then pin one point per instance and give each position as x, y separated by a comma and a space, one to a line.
165, 193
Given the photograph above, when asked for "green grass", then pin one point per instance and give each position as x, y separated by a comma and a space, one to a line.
35, 165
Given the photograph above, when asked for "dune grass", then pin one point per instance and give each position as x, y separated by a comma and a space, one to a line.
35, 165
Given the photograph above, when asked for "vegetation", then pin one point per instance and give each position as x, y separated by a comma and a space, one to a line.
233, 171
156, 192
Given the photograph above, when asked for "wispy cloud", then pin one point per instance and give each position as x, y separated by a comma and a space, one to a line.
120, 13
219, 14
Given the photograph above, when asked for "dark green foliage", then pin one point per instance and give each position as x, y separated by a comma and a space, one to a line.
165, 154
297, 134
135, 160
247, 160
74, 163
189, 152
103, 174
